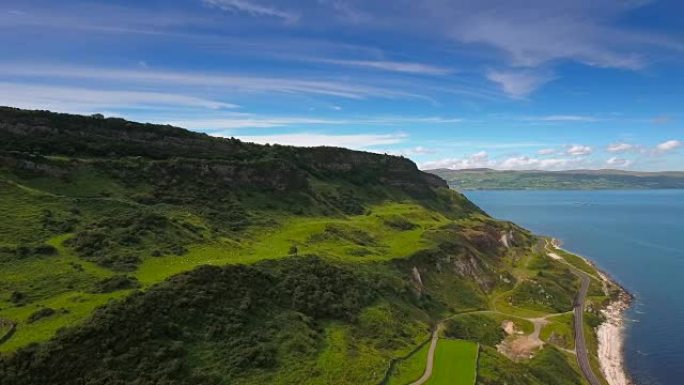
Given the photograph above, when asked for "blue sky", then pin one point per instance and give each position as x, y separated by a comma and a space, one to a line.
504, 84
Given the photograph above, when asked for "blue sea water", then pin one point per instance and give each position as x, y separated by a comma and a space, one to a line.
635, 236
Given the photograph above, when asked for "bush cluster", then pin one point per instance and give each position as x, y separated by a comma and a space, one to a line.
200, 327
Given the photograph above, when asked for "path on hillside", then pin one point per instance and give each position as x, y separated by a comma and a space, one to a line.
430, 359
538, 323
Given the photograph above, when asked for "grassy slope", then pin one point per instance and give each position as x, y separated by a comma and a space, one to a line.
54, 281
411, 368
156, 220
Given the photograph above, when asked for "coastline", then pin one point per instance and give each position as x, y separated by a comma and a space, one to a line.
611, 337
611, 333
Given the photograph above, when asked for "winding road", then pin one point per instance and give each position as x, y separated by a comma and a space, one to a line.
580, 343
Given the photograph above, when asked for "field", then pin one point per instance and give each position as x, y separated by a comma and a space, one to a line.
455, 363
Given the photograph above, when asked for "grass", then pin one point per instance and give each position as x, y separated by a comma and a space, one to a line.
63, 281
455, 363
411, 368
72, 309
346, 359
559, 331
275, 242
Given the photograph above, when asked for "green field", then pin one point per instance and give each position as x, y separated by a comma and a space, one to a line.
455, 363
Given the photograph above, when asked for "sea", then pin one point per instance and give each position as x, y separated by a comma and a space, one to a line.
637, 237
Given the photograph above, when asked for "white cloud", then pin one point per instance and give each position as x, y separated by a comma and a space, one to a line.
578, 150
253, 8
418, 150
528, 163
620, 147
354, 141
476, 160
668, 145
618, 162
392, 66
518, 84
75, 99
482, 160
546, 151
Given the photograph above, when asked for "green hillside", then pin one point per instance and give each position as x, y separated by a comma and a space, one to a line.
487, 179
143, 254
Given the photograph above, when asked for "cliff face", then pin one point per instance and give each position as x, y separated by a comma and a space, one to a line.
172, 150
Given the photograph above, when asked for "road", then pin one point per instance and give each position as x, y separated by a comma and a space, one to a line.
430, 359
580, 343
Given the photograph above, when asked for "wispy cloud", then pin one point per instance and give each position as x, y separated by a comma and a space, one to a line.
310, 139
253, 8
224, 82
518, 84
543, 33
392, 66
347, 12
75, 99
243, 120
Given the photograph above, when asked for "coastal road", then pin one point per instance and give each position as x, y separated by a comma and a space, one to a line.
580, 343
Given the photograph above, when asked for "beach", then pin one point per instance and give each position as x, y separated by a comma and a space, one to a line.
635, 238
611, 336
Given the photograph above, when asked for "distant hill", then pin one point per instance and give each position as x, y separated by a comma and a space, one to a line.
488, 179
